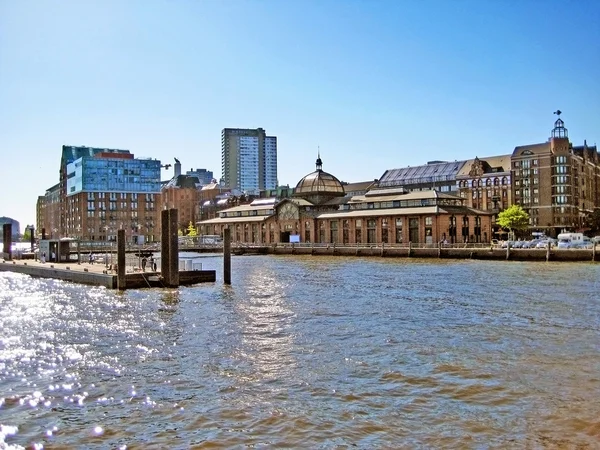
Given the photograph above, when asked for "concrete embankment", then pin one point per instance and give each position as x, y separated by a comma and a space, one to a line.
64, 272
98, 275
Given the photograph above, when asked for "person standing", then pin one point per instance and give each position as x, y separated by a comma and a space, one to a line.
144, 264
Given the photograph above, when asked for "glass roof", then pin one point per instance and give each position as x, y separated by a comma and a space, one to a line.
444, 171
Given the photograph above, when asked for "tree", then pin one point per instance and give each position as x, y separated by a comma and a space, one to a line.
593, 221
26, 235
513, 218
191, 230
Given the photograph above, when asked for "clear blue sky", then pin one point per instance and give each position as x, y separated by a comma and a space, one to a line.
376, 84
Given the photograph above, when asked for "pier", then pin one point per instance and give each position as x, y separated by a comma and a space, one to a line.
124, 273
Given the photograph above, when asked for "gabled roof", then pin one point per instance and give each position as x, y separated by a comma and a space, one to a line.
502, 163
358, 187
417, 195
535, 149
183, 181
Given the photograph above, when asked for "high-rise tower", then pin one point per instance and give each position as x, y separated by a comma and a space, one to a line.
248, 159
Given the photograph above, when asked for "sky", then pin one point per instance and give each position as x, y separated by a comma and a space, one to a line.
373, 85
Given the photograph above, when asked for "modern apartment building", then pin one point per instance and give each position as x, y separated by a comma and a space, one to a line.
557, 183
101, 191
248, 159
204, 176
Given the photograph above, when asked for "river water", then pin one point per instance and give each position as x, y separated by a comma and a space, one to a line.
308, 352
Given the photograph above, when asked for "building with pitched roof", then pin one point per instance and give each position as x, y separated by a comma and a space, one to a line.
320, 212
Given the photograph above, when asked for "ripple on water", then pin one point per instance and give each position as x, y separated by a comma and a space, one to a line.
308, 352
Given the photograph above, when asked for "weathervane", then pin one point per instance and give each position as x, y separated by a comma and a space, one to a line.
558, 112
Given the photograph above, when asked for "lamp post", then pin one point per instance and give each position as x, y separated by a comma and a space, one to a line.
106, 248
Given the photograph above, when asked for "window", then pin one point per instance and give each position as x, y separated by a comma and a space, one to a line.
398, 230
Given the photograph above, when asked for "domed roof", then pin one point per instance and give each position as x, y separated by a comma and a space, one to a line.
319, 182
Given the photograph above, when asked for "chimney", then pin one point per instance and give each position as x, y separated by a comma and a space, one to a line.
177, 168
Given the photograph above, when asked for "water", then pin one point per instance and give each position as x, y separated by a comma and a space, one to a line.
301, 352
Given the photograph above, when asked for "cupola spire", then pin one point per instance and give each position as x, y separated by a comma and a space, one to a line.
319, 162
559, 130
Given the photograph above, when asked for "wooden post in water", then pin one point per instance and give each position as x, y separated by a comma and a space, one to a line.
409, 249
226, 255
440, 249
507, 250
548, 251
7, 234
121, 283
173, 280
164, 245
594, 252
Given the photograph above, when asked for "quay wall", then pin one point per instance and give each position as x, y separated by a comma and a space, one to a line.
486, 253
66, 274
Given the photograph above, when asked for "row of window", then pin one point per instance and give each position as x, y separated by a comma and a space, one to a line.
481, 182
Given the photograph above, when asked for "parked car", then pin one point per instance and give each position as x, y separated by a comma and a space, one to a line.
531, 244
544, 243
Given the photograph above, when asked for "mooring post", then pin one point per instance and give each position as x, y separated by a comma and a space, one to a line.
121, 284
226, 255
548, 251
409, 249
7, 234
507, 250
173, 249
164, 245
32, 237
440, 249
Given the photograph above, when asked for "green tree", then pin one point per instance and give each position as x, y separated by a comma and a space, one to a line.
191, 230
26, 235
513, 218
593, 220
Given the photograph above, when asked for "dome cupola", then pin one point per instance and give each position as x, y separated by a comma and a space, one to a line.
319, 186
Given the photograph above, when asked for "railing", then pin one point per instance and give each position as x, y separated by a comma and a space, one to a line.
108, 247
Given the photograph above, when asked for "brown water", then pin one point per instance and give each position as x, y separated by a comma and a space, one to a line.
302, 352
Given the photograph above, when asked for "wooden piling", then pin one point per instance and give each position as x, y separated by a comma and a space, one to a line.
164, 245
227, 255
173, 249
548, 251
121, 283
7, 234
